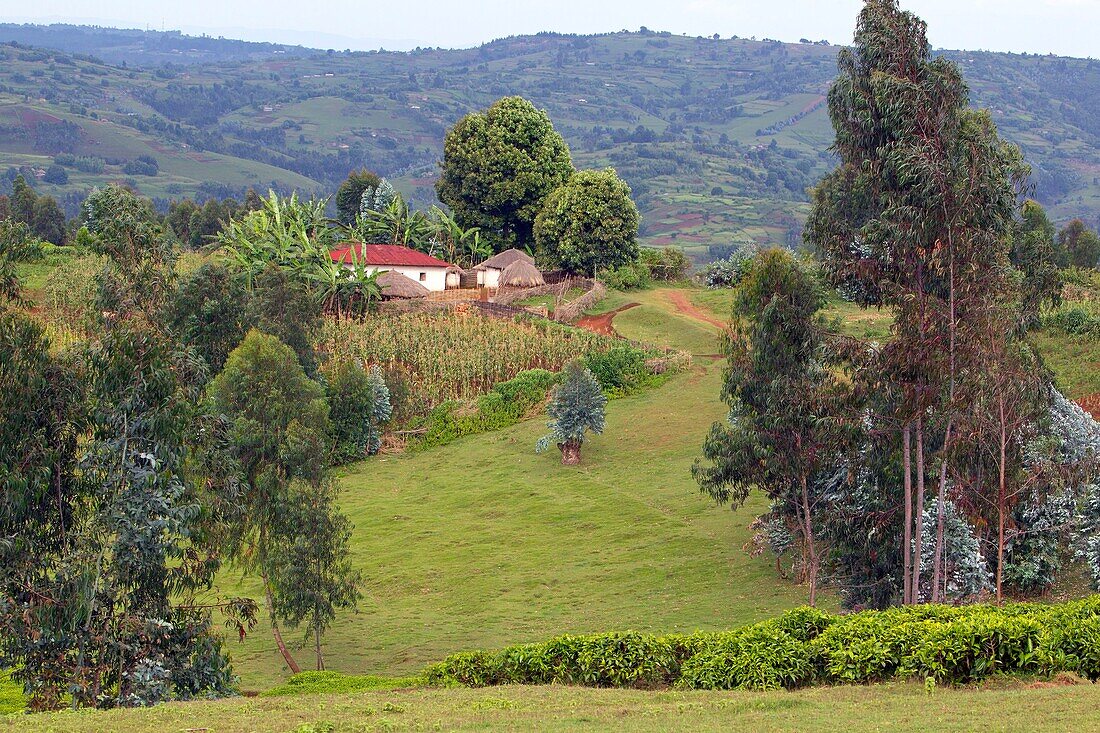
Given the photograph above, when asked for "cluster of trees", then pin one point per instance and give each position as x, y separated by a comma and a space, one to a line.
39, 212
943, 463
509, 173
194, 426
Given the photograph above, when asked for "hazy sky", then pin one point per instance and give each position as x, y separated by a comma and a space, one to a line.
1067, 27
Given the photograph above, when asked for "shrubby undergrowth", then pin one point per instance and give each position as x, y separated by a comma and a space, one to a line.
807, 647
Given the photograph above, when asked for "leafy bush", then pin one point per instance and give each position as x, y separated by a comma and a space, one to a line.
727, 273
503, 406
359, 406
1074, 321
619, 370
668, 264
762, 657
631, 276
807, 646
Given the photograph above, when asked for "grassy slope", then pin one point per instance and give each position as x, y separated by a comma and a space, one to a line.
483, 543
1074, 360
900, 707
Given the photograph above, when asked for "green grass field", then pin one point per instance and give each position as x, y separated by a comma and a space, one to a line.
483, 543
898, 708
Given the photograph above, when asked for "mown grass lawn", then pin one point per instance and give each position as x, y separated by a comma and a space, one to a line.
895, 707
483, 543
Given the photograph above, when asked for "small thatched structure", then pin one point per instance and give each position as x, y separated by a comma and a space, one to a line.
505, 258
396, 285
521, 274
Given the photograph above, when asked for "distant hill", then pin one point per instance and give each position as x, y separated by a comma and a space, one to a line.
718, 138
133, 47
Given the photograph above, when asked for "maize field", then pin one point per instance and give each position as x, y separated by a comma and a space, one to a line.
457, 355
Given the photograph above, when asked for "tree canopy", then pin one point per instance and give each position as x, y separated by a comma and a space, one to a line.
499, 166
589, 224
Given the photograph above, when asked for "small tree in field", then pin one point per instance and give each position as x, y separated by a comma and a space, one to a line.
576, 407
312, 570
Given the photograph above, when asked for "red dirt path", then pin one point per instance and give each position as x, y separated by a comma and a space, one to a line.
1091, 404
601, 324
679, 300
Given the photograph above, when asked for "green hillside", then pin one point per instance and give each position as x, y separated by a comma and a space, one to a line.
719, 139
483, 542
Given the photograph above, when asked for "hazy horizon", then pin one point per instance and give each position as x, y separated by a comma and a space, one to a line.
1062, 27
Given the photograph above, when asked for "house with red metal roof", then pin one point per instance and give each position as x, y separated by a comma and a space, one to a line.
429, 271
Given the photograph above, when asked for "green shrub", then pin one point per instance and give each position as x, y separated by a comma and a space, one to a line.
505, 405
619, 370
762, 657
1074, 321
631, 276
807, 646
668, 264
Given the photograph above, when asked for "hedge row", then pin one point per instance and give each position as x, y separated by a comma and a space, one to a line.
808, 647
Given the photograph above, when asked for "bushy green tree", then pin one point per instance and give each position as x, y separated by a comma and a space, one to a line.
498, 168
283, 307
576, 407
1033, 252
312, 573
360, 407
210, 313
786, 404
279, 432
589, 224
1081, 244
358, 184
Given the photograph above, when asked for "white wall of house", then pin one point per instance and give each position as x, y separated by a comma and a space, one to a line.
433, 278
489, 277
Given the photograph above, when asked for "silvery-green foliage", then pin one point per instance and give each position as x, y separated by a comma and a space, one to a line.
1088, 531
1033, 553
576, 407
1043, 520
380, 411
967, 574
728, 272
377, 199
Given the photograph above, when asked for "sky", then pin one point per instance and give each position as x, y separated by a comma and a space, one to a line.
1064, 27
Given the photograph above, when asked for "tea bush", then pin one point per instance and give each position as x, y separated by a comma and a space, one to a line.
949, 645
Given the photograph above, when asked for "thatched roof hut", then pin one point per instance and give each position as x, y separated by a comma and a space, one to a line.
521, 274
505, 258
396, 285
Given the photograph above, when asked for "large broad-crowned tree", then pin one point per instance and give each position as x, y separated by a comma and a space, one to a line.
499, 166
589, 224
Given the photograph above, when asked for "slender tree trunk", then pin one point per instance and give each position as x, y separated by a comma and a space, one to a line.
811, 550
275, 627
317, 647
1002, 500
907, 531
940, 560
939, 572
918, 539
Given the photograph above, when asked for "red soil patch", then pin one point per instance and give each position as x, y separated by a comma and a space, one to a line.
683, 304
601, 324
1091, 404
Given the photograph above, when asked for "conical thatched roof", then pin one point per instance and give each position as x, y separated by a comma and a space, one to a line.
505, 258
521, 274
396, 285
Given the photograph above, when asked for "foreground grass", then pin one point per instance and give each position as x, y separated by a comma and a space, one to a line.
1010, 706
482, 543
11, 695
